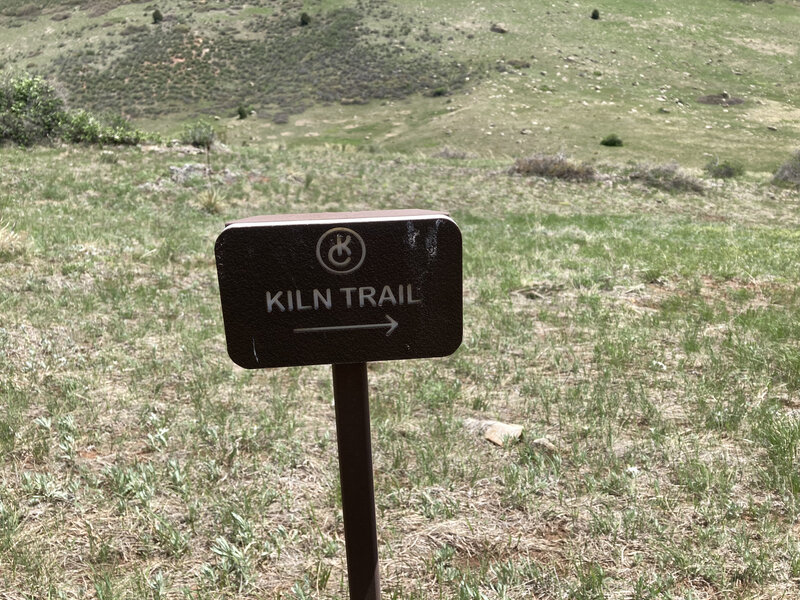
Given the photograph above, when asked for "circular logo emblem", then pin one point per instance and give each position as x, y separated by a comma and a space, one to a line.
340, 250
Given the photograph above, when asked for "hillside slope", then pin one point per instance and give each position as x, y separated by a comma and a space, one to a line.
683, 80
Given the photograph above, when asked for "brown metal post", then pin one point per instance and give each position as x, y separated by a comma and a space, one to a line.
351, 396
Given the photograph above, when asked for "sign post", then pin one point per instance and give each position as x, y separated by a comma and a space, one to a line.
351, 400
343, 289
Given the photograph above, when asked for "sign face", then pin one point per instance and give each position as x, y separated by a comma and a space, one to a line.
334, 288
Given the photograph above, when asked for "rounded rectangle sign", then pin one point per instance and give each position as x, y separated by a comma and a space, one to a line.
334, 288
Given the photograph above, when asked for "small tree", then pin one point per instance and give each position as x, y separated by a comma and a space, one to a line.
157, 17
242, 111
305, 19
595, 14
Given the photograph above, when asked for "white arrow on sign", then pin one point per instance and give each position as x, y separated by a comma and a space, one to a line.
391, 324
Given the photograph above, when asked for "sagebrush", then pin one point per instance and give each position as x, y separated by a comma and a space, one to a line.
668, 177
788, 173
554, 166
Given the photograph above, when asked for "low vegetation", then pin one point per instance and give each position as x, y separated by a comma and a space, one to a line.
788, 174
200, 134
31, 112
553, 166
611, 140
669, 177
725, 169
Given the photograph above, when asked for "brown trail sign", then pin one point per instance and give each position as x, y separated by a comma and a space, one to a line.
340, 288
343, 289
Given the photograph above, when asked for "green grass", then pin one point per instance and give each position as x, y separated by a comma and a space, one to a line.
649, 336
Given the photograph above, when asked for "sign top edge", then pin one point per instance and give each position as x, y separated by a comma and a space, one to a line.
363, 215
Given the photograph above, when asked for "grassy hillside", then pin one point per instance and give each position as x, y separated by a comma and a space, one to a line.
410, 75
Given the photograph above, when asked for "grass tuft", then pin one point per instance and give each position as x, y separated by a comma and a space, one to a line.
12, 243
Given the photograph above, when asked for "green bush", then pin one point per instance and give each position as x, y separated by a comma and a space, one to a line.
157, 17
611, 140
726, 169
305, 19
83, 127
31, 113
242, 111
553, 166
200, 134
789, 172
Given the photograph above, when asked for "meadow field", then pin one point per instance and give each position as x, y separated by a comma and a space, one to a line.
645, 339
633, 308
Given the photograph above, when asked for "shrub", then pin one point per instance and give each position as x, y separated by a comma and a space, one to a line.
789, 172
30, 111
553, 166
669, 177
595, 14
611, 140
200, 134
82, 127
242, 111
157, 17
726, 169
305, 19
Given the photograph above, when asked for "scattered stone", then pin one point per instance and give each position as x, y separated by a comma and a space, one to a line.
499, 28
496, 432
772, 128
190, 171
526, 132
187, 172
501, 434
151, 186
545, 445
